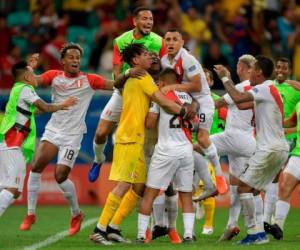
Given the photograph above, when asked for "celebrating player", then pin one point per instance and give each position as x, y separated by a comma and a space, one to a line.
18, 132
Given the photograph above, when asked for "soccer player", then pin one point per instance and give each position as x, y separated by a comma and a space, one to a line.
271, 148
18, 132
172, 158
128, 167
64, 131
290, 97
141, 34
194, 82
290, 179
237, 141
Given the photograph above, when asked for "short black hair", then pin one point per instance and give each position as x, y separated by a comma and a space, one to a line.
132, 50
285, 60
169, 72
265, 64
68, 46
137, 10
174, 30
19, 68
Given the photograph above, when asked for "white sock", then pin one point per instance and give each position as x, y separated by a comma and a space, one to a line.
188, 222
158, 210
259, 211
172, 210
235, 207
33, 186
212, 154
143, 221
271, 197
201, 167
281, 212
69, 191
6, 198
248, 210
99, 152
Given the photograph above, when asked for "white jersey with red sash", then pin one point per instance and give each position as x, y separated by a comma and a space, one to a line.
268, 117
173, 133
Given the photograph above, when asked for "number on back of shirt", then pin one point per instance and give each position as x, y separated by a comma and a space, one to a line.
177, 122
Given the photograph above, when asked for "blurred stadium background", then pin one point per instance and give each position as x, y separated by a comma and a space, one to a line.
215, 31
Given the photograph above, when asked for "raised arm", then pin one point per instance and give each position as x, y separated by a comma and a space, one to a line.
237, 96
291, 121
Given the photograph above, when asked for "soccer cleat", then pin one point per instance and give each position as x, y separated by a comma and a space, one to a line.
100, 237
27, 222
115, 235
159, 231
94, 171
75, 223
276, 232
188, 240
249, 239
262, 238
222, 186
148, 235
173, 236
207, 231
141, 240
229, 233
267, 227
205, 194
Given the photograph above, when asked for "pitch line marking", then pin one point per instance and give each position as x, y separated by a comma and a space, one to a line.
59, 236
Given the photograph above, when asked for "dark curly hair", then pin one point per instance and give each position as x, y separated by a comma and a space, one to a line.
131, 51
68, 46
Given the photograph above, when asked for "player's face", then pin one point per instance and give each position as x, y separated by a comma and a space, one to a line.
174, 42
282, 71
144, 22
155, 62
144, 60
71, 61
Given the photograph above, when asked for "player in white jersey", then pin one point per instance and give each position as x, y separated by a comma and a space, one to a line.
193, 80
271, 147
64, 131
172, 159
237, 141
18, 132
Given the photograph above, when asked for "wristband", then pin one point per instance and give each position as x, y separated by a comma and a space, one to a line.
224, 79
182, 111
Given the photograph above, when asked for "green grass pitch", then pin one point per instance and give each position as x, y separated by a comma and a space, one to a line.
54, 219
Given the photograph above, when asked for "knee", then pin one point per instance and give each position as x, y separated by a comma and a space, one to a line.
16, 193
121, 189
284, 191
37, 167
60, 176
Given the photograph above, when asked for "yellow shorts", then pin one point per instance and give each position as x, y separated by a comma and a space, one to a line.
128, 163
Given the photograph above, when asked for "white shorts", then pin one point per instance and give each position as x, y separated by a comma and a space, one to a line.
206, 112
68, 146
293, 167
12, 169
163, 169
112, 110
236, 143
237, 165
263, 167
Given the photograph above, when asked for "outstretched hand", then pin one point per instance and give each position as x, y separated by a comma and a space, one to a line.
71, 101
137, 73
33, 60
221, 71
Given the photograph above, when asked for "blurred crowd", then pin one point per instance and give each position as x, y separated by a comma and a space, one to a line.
215, 31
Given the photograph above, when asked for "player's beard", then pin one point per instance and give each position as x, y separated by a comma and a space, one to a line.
144, 33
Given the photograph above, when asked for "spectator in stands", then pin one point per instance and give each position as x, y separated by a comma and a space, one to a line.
5, 36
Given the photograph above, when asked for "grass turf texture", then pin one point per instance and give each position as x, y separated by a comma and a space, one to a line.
52, 220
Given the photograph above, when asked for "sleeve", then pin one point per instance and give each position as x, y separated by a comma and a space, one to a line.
259, 93
154, 108
163, 49
96, 81
48, 76
117, 58
148, 86
29, 95
191, 66
227, 97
